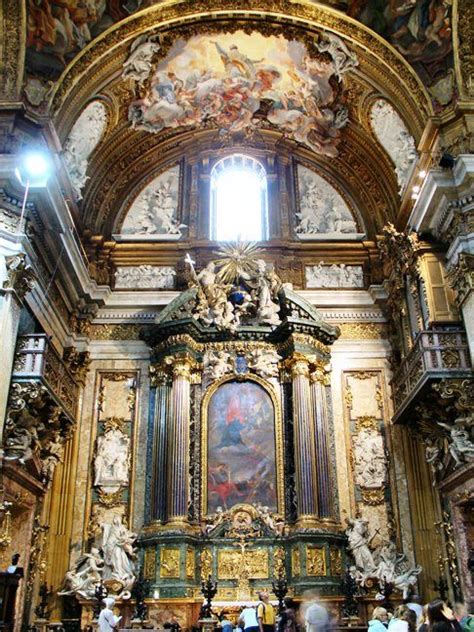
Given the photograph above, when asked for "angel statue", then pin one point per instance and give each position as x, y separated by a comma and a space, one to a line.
119, 553
358, 536
83, 578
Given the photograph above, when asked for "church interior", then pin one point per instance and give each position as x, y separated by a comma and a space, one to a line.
236, 307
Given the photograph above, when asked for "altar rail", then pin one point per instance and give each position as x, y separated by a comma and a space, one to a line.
436, 354
37, 359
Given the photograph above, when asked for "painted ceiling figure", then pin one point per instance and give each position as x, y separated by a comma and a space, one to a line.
237, 63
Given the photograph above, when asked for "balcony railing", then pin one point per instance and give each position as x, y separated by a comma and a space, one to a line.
436, 354
37, 359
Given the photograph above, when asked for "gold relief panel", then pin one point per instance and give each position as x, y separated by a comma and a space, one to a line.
190, 564
295, 562
169, 563
315, 561
149, 564
205, 559
231, 563
335, 558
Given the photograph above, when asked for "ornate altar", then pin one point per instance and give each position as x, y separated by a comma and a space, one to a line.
240, 480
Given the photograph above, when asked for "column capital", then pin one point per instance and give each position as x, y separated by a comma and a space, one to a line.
182, 365
297, 364
21, 277
320, 373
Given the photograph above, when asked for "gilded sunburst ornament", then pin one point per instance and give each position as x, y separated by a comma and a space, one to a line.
237, 260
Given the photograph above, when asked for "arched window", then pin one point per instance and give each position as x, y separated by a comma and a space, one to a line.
238, 200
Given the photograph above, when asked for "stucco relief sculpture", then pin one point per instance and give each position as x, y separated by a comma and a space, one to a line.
119, 554
138, 65
334, 276
322, 209
370, 462
217, 364
460, 445
145, 277
35, 426
81, 142
225, 80
239, 288
383, 563
395, 138
84, 576
264, 362
112, 460
154, 210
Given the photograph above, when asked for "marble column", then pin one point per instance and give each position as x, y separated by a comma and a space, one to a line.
160, 381
319, 380
178, 442
16, 279
304, 440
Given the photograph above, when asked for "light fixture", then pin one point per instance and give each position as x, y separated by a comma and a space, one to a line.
422, 174
33, 170
416, 189
414, 196
156, 594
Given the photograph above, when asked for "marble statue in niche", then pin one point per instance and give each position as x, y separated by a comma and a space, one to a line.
81, 142
395, 138
112, 460
145, 277
154, 211
119, 553
334, 276
370, 462
323, 213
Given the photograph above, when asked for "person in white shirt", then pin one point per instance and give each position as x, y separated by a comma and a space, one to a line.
316, 618
107, 620
248, 617
415, 605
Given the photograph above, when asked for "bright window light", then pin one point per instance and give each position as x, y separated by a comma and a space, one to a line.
238, 200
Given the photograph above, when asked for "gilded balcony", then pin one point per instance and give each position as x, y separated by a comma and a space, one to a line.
36, 359
436, 354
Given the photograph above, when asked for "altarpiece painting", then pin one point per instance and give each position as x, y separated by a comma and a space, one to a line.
241, 447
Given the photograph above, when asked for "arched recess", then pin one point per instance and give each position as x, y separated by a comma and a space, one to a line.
277, 431
128, 156
100, 63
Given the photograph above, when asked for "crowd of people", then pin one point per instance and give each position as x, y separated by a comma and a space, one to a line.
312, 616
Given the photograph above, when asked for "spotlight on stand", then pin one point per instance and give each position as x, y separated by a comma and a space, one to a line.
33, 171
447, 161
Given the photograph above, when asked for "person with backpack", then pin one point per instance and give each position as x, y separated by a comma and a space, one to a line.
265, 613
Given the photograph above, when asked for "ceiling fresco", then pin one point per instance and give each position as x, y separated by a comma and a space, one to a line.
242, 81
57, 30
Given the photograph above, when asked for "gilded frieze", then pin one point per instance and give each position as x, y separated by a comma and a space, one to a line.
149, 563
206, 560
315, 561
170, 563
190, 564
295, 562
335, 558
231, 564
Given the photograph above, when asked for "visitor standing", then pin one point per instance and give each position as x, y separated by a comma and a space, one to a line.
248, 619
379, 620
265, 613
441, 618
317, 618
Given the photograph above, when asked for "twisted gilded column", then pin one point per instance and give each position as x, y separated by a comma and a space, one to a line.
304, 441
319, 380
178, 441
